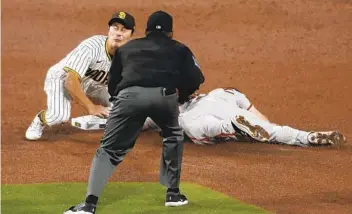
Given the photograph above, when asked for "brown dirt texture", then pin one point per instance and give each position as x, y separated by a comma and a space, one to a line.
292, 58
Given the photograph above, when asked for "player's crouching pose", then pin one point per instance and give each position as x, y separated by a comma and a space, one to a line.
228, 114
82, 75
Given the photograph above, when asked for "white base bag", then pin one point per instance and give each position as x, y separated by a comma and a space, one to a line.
89, 122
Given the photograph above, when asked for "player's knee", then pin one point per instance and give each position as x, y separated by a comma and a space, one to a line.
57, 117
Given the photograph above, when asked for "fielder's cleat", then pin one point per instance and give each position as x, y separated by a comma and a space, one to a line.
326, 138
35, 130
175, 200
254, 131
82, 208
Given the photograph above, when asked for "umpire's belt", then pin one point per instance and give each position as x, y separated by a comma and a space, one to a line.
164, 92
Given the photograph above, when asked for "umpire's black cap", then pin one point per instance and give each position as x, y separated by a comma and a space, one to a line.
160, 21
123, 18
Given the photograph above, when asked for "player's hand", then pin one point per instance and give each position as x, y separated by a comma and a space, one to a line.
99, 111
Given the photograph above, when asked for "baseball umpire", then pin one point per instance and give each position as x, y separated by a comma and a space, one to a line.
148, 78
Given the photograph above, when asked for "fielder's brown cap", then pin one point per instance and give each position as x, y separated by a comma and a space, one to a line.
123, 18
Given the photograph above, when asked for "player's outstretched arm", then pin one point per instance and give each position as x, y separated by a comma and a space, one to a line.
73, 86
254, 110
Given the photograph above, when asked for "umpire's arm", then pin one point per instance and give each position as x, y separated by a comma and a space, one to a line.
114, 75
192, 76
192, 70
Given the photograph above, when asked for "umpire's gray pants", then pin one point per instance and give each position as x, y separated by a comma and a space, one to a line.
130, 109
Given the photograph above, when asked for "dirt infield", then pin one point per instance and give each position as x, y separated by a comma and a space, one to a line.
292, 59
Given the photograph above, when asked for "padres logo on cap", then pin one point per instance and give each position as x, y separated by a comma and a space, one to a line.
122, 15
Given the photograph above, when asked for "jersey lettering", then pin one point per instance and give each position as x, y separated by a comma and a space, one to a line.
98, 75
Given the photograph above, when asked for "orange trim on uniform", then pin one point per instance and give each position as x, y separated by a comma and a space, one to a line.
250, 106
209, 139
67, 69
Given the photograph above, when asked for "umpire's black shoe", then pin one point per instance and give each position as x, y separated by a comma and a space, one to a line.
82, 208
175, 200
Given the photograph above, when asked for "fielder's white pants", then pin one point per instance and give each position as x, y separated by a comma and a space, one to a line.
59, 101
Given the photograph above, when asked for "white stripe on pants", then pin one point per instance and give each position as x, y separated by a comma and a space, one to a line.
58, 102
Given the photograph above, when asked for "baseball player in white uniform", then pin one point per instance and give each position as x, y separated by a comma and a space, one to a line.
225, 113
82, 75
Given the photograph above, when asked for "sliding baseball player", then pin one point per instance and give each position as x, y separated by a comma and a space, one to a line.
225, 113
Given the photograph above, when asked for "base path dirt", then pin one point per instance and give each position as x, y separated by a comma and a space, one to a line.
291, 58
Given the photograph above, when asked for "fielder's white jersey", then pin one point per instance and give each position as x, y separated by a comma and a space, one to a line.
89, 60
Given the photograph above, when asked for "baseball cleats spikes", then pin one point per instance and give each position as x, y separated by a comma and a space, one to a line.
175, 200
35, 130
82, 208
254, 131
331, 138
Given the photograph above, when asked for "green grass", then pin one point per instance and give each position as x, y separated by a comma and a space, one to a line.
117, 198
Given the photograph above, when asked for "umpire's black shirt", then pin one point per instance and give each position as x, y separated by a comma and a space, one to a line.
155, 61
